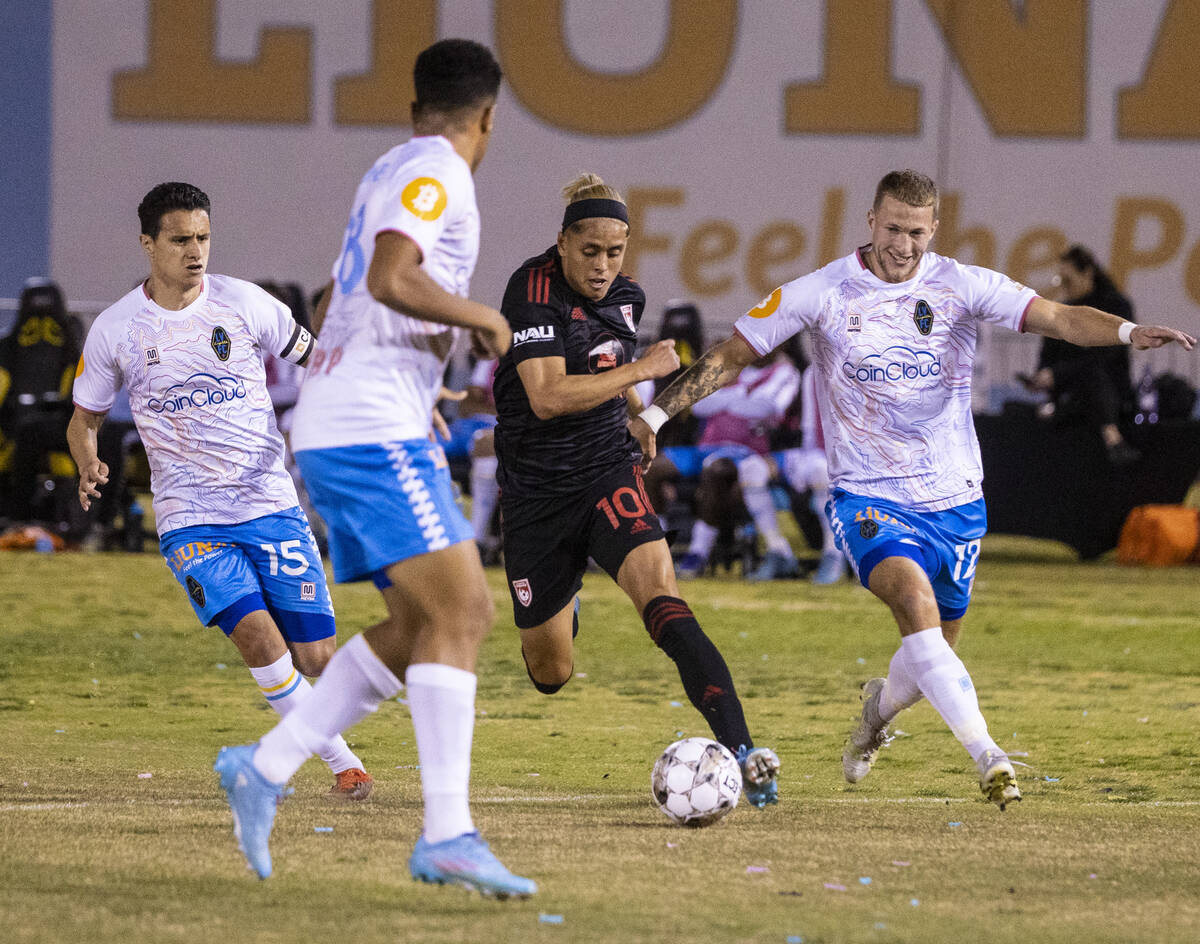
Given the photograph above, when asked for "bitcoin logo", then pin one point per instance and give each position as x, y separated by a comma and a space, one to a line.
767, 306
424, 198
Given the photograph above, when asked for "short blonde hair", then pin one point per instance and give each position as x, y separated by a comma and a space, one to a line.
908, 186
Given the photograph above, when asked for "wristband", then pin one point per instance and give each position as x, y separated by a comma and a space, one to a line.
654, 417
1125, 332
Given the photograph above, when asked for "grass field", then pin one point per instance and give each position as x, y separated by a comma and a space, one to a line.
114, 703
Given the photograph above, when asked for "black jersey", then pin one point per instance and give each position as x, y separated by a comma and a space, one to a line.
565, 454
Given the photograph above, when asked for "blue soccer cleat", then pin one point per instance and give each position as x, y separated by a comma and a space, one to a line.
760, 773
466, 860
253, 800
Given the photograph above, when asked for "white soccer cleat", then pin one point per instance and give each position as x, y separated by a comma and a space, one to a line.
868, 736
998, 780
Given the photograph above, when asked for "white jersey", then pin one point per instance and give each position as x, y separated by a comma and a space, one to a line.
895, 364
198, 393
378, 372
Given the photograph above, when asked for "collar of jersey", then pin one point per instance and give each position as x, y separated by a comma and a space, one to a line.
177, 312
876, 280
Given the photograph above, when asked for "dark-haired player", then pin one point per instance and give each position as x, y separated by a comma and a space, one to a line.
893, 331
189, 346
570, 482
394, 310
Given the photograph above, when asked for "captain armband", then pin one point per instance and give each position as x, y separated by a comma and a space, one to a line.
299, 346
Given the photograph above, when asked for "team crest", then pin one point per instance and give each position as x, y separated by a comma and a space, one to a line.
627, 314
151, 356
524, 591
221, 343
195, 591
868, 529
923, 317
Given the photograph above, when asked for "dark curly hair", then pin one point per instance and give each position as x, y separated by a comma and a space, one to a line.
455, 73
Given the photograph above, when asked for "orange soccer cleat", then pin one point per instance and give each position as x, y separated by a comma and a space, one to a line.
352, 784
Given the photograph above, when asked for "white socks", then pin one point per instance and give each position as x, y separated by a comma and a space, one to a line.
484, 491
754, 475
353, 684
284, 689
930, 663
900, 691
704, 536
441, 700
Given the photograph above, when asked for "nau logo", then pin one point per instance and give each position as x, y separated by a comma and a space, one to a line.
151, 356
540, 333
853, 322
221, 343
923, 317
195, 591
308, 590
523, 591
627, 314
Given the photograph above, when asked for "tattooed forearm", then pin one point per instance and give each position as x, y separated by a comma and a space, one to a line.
708, 374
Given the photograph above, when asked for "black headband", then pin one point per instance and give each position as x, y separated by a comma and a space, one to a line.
594, 207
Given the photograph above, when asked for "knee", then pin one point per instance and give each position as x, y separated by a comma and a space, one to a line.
312, 659
548, 672
753, 472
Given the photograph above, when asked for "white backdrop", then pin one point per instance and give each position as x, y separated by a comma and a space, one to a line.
280, 191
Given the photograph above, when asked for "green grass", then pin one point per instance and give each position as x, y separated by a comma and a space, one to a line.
1090, 671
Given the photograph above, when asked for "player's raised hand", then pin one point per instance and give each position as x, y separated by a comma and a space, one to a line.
1145, 337
93, 474
492, 340
660, 359
641, 431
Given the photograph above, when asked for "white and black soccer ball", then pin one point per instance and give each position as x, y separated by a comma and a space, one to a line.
696, 781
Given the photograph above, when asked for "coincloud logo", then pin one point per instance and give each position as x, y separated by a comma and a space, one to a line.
199, 390
893, 365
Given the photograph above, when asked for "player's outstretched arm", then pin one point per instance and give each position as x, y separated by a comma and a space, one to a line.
718, 367
82, 440
397, 280
1090, 327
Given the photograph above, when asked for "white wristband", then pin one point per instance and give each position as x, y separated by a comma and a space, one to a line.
654, 417
1125, 332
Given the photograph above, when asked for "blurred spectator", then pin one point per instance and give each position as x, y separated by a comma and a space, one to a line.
472, 442
734, 451
1088, 384
805, 469
37, 366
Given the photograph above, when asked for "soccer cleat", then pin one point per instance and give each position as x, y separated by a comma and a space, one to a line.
830, 570
775, 566
997, 779
690, 566
466, 860
253, 800
352, 784
760, 773
868, 736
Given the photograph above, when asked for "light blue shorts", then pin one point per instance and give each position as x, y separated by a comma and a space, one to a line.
944, 543
382, 504
229, 570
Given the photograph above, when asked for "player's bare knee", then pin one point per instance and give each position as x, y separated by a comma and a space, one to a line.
548, 672
312, 659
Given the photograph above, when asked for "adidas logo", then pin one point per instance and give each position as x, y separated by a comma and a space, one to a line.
639, 526
577, 314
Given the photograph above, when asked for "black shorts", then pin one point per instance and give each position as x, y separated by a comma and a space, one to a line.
547, 542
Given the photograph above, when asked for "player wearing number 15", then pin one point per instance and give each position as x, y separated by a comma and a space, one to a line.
570, 485
189, 347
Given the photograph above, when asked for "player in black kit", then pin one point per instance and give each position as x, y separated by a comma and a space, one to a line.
570, 473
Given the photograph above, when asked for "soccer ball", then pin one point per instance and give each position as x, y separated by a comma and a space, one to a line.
696, 782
